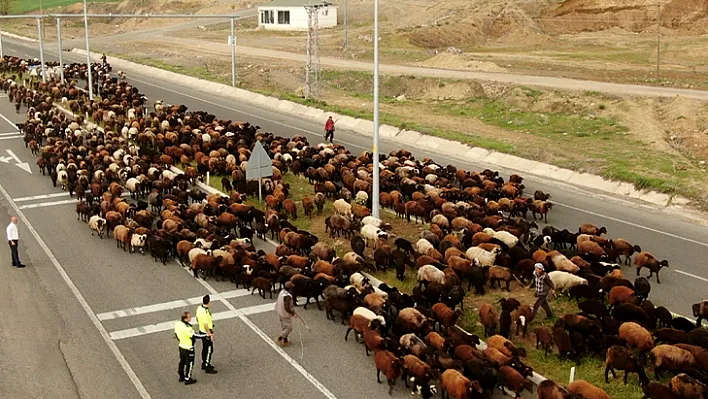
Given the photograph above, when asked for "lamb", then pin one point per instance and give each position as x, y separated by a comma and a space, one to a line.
645, 259
563, 281
361, 197
587, 391
390, 365
97, 225
263, 285
483, 257
544, 337
137, 242
522, 316
376, 222
430, 274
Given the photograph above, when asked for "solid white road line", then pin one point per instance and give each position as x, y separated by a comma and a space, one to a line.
8, 121
42, 196
268, 340
10, 134
79, 297
197, 300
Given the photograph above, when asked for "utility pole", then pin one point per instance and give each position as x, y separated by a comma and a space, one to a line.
88, 53
61, 50
41, 49
312, 69
346, 26
375, 188
658, 40
233, 53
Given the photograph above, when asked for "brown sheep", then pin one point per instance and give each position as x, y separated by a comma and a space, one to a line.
323, 251
327, 268
645, 259
391, 366
542, 208
206, 263
498, 274
699, 353
290, 207
489, 318
445, 316
544, 337
263, 285
688, 387
587, 390
514, 381
497, 358
621, 294
587, 228
436, 341
412, 320
372, 341
505, 346
521, 316
637, 337
308, 205
457, 386
668, 357
700, 311
122, 235
619, 357
359, 324
591, 247
548, 389
623, 247
319, 202
418, 369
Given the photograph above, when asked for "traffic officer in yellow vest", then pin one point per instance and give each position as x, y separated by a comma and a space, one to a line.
206, 326
186, 337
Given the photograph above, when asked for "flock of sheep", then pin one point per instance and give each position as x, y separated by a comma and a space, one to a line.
478, 233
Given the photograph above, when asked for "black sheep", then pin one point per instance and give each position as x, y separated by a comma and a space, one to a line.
699, 337
585, 291
404, 245
358, 245
682, 323
643, 287
671, 335
663, 316
455, 296
309, 289
648, 307
505, 323
562, 341
630, 312
477, 280
593, 307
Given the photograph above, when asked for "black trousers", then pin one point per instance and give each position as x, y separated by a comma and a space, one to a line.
14, 252
207, 351
542, 301
186, 363
330, 135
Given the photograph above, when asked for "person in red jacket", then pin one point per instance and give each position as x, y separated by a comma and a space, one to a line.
329, 129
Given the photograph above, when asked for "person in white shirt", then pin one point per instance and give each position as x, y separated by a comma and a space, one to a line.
13, 238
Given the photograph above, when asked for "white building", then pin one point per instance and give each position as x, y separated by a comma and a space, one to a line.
291, 14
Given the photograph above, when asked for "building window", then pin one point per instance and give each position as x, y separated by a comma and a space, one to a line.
284, 17
267, 17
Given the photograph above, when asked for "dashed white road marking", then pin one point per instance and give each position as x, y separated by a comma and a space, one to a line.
10, 134
80, 298
42, 196
46, 204
169, 325
197, 300
17, 136
8, 121
692, 275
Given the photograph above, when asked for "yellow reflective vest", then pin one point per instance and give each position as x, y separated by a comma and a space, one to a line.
204, 317
186, 335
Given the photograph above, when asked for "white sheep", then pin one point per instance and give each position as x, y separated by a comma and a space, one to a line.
202, 243
431, 274
361, 197
359, 281
168, 174
563, 281
422, 246
97, 225
63, 178
196, 251
504, 236
484, 257
372, 221
371, 233
137, 241
342, 207
242, 242
562, 263
369, 315
132, 184
431, 178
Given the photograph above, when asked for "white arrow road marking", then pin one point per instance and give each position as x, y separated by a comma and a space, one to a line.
22, 165
5, 159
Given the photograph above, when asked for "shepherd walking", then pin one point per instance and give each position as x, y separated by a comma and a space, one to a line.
329, 129
13, 238
286, 312
544, 286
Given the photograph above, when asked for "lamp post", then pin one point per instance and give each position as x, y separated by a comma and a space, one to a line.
375, 190
88, 53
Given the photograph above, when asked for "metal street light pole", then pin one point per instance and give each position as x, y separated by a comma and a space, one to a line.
233, 54
61, 56
88, 52
375, 191
41, 49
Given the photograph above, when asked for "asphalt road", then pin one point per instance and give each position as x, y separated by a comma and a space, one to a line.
109, 281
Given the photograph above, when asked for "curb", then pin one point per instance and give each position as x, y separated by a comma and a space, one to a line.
19, 37
407, 138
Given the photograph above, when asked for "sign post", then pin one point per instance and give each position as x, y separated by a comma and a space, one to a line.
259, 166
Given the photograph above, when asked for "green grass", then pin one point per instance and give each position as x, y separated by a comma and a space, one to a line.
24, 6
